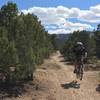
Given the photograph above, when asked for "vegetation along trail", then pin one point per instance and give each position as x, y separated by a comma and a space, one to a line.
52, 81
30, 69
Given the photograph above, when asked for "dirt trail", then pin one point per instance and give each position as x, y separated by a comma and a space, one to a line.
50, 76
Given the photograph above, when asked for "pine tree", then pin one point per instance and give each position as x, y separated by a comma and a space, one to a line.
97, 38
24, 42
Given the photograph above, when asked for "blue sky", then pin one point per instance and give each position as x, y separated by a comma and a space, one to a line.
62, 16
25, 4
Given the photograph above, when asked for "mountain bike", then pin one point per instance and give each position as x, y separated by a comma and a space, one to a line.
79, 68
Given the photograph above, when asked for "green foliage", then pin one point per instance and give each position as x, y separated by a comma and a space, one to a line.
87, 38
4, 43
54, 41
97, 39
24, 43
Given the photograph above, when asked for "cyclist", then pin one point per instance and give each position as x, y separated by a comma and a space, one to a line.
80, 54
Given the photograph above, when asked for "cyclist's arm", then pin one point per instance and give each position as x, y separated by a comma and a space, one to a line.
85, 55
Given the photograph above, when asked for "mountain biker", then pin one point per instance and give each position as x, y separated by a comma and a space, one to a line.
80, 54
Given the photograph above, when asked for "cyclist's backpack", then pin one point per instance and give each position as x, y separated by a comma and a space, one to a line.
79, 50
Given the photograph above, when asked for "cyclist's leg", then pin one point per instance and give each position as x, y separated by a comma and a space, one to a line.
78, 64
82, 64
78, 68
81, 68
75, 64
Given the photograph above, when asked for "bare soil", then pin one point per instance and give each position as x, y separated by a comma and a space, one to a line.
53, 80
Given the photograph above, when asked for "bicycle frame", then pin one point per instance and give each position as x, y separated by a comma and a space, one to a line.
79, 69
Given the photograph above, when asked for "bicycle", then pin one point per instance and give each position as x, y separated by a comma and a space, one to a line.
79, 69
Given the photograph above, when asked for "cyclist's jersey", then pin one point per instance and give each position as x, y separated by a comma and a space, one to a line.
79, 50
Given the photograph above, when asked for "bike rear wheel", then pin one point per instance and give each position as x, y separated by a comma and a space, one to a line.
79, 72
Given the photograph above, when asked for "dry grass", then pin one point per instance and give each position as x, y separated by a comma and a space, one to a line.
49, 77
93, 67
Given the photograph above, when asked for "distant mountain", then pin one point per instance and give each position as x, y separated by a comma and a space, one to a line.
61, 38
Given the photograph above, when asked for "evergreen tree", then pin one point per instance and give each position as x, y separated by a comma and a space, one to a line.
97, 38
86, 37
24, 43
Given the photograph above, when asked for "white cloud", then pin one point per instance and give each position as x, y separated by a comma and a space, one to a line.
69, 27
75, 25
95, 9
60, 15
92, 15
59, 31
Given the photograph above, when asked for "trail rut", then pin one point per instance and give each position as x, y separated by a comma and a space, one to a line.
51, 77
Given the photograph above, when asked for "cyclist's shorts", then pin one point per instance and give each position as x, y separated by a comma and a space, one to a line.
79, 58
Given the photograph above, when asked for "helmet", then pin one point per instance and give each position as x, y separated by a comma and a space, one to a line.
79, 43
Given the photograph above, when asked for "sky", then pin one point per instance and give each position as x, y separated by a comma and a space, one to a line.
62, 16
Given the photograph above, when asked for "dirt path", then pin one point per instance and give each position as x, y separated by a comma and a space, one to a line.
53, 82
